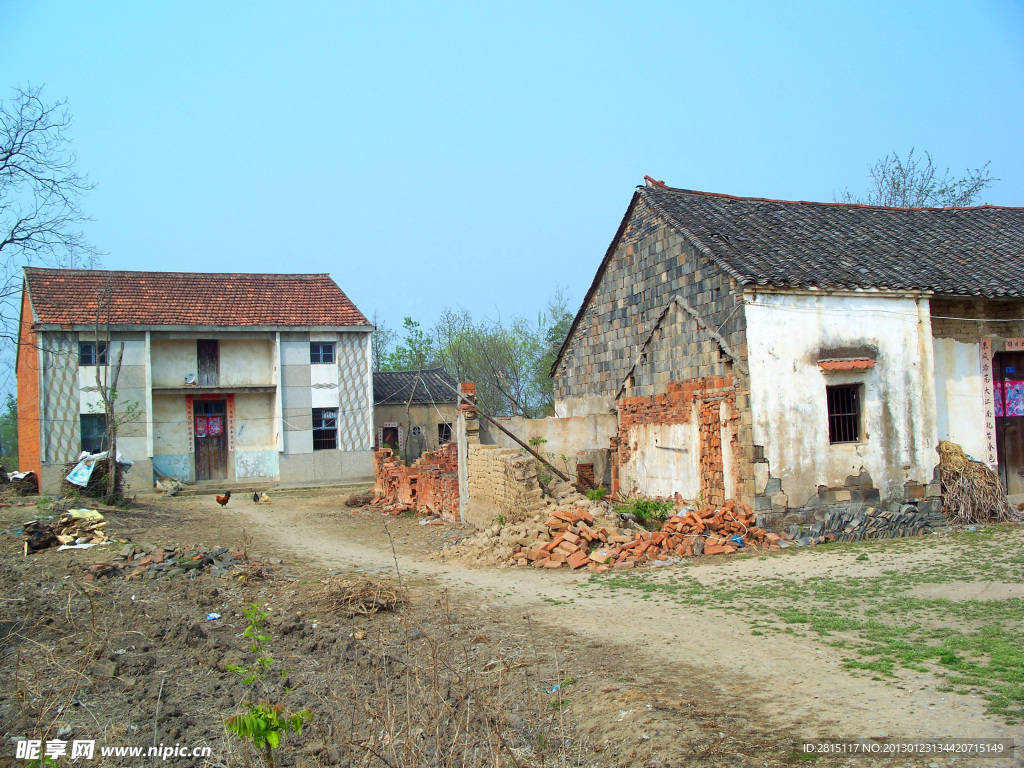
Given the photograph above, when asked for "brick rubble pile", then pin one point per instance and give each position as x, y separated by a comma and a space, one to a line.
430, 485
577, 542
575, 533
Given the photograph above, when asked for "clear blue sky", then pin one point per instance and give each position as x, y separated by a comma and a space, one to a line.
479, 154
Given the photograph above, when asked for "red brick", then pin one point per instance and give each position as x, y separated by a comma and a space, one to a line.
578, 560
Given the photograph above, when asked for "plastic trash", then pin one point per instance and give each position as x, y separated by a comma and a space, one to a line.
212, 616
738, 540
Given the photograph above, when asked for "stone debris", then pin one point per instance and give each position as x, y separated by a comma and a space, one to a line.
147, 561
499, 543
858, 525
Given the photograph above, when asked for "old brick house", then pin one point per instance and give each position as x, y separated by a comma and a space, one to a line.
414, 411
797, 355
234, 377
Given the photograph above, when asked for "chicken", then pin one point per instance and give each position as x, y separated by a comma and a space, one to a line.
256, 497
265, 499
223, 500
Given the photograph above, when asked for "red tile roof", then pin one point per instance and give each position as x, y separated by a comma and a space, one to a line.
845, 365
68, 296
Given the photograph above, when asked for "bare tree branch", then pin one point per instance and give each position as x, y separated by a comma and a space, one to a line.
915, 182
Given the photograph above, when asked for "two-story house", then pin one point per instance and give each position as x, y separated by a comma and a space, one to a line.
225, 378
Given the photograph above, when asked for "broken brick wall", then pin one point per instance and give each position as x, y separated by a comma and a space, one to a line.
429, 485
501, 481
682, 441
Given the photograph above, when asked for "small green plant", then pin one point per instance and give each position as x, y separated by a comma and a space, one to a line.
596, 494
264, 724
862, 557
647, 511
499, 519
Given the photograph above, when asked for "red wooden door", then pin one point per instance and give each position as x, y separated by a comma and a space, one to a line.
211, 440
1008, 370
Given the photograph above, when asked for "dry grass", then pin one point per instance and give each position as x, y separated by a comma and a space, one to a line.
971, 492
360, 595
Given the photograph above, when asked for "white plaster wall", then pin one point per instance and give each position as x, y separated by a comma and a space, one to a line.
787, 333
664, 459
254, 421
171, 360
324, 379
170, 425
960, 410
246, 363
584, 406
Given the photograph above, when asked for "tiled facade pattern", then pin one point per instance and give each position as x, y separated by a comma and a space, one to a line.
355, 418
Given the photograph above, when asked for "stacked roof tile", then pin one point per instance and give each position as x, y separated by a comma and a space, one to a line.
69, 296
951, 251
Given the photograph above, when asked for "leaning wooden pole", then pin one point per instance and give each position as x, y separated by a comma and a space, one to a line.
529, 449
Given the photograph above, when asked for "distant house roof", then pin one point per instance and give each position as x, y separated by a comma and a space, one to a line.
394, 387
69, 296
951, 251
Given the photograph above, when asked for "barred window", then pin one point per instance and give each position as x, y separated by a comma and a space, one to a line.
325, 429
843, 413
94, 432
444, 433
87, 353
321, 352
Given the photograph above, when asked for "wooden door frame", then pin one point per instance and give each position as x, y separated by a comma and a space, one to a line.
223, 438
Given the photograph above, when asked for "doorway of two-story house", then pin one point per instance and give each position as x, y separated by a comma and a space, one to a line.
211, 440
211, 429
1008, 378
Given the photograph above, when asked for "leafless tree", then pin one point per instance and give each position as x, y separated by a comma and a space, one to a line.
106, 383
383, 340
915, 182
40, 197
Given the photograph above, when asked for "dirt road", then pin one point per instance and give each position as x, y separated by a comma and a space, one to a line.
799, 686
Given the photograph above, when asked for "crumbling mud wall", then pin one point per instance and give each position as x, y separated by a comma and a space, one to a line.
502, 482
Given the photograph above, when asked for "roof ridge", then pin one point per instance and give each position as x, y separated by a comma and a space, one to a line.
65, 271
661, 186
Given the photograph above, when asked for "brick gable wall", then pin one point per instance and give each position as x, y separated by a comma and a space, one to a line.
652, 265
29, 447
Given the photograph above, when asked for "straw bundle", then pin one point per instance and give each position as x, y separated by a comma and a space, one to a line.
971, 492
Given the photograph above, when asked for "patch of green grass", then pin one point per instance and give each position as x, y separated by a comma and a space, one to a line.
878, 619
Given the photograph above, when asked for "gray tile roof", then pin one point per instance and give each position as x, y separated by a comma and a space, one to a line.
952, 251
393, 387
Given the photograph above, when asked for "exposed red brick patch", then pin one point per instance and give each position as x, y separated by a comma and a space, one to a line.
845, 365
29, 436
431, 484
676, 406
